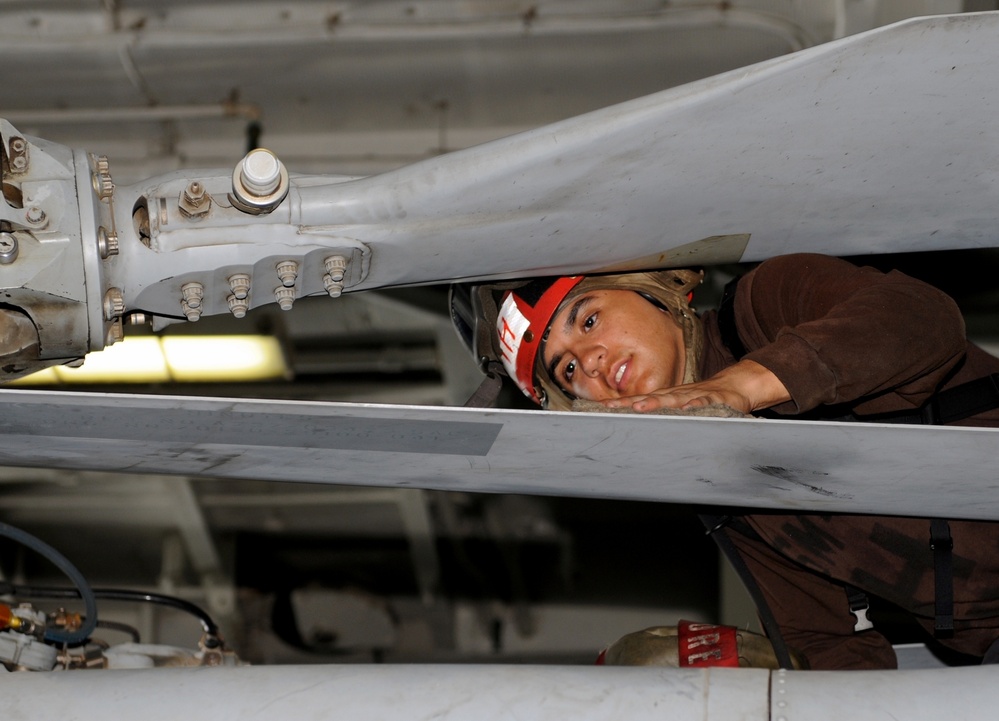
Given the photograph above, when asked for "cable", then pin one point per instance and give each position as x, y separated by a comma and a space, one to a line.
83, 589
121, 627
113, 594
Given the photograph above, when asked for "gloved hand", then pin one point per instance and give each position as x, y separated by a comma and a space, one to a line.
693, 645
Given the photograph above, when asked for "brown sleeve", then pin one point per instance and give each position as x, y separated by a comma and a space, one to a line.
833, 332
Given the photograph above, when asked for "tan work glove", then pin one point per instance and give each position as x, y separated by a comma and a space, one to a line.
694, 645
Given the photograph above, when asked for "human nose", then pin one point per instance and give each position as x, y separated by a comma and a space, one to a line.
592, 359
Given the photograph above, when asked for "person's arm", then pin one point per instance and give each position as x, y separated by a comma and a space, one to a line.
833, 333
822, 331
746, 386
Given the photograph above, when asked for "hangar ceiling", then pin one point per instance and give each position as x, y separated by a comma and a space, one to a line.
359, 87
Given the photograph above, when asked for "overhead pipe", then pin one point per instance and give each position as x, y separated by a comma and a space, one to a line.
150, 113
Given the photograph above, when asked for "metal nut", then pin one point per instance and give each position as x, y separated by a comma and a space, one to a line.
35, 215
18, 154
336, 266
333, 287
192, 314
114, 303
8, 248
107, 243
238, 306
115, 333
192, 294
195, 201
239, 284
285, 297
287, 271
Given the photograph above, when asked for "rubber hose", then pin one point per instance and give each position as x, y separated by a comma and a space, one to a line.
74, 575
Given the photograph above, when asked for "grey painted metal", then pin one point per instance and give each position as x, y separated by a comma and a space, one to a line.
880, 142
787, 465
388, 692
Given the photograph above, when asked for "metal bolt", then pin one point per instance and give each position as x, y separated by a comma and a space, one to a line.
137, 318
35, 215
285, 297
107, 243
194, 200
114, 303
336, 266
287, 271
101, 178
194, 192
192, 314
192, 293
239, 283
238, 306
259, 183
103, 186
8, 248
260, 172
18, 154
115, 333
333, 287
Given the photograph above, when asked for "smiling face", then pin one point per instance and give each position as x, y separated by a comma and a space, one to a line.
612, 343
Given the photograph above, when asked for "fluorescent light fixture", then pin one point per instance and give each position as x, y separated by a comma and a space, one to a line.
174, 359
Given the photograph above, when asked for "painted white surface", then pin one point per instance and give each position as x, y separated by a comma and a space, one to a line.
950, 693
788, 465
857, 146
382, 693
488, 693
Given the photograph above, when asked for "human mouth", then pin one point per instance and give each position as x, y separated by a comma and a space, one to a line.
620, 375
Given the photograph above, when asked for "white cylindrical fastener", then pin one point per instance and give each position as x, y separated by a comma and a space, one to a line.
260, 172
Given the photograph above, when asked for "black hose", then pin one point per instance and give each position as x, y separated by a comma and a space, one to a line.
82, 590
122, 627
113, 594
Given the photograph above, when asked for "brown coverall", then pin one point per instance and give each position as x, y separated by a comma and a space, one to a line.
868, 343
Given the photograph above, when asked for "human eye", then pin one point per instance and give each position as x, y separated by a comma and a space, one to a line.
589, 321
568, 370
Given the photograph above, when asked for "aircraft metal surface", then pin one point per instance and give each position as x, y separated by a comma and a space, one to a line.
775, 464
487, 693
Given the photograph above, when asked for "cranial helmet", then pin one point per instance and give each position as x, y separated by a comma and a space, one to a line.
508, 322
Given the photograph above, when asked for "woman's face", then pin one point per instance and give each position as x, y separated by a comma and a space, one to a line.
613, 343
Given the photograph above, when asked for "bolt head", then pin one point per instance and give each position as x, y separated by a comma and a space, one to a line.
107, 243
260, 172
8, 248
237, 306
114, 304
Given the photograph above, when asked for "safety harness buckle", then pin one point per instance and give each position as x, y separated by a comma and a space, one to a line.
863, 622
859, 606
